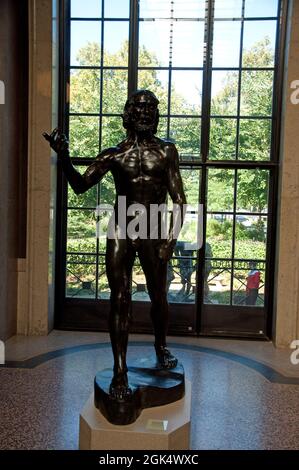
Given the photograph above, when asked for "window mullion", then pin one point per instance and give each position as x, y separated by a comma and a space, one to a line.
133, 46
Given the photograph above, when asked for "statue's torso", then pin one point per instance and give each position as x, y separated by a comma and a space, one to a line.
140, 173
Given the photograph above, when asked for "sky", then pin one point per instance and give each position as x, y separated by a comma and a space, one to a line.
188, 35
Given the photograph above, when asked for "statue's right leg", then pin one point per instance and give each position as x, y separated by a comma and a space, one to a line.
120, 257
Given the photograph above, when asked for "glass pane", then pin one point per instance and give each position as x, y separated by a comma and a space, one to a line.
181, 274
189, 9
163, 8
103, 218
223, 137
255, 139
226, 48
139, 288
80, 276
84, 136
115, 90
259, 43
224, 93
217, 282
256, 8
116, 35
113, 131
188, 44
252, 192
157, 82
154, 43
162, 128
85, 91
86, 43
88, 199
186, 92
86, 9
185, 133
117, 8
251, 235
249, 283
256, 93
107, 190
221, 184
103, 285
219, 235
191, 182
228, 8
154, 9
81, 231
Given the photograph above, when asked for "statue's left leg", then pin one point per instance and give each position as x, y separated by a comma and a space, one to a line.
155, 271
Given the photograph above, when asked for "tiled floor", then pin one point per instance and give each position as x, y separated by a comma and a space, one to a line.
245, 394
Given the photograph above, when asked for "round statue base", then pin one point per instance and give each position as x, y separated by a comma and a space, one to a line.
151, 386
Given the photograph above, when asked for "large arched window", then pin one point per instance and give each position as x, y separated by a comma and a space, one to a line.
216, 68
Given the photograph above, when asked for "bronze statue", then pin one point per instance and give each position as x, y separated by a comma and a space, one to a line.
145, 168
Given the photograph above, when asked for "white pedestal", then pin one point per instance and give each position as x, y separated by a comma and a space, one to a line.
160, 428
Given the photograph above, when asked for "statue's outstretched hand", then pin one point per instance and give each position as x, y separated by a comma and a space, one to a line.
58, 142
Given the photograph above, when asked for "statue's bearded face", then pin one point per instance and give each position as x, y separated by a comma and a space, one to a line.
144, 113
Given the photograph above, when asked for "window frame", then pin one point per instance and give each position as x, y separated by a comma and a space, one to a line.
195, 318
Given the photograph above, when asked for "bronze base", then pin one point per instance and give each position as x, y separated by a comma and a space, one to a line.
151, 386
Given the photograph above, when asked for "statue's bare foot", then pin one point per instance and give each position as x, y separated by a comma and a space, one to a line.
119, 388
165, 359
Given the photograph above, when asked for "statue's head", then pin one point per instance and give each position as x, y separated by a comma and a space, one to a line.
141, 112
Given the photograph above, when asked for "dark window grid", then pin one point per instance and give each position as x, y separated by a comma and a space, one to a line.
165, 68
202, 20
98, 67
240, 164
240, 82
81, 208
261, 214
246, 18
81, 263
100, 134
170, 74
95, 114
187, 116
196, 69
81, 253
245, 117
98, 18
277, 79
171, 18
234, 227
235, 260
256, 117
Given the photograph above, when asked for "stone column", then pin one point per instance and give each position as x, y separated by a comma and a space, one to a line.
286, 322
33, 299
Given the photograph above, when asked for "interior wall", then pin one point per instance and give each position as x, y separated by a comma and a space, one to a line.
13, 151
35, 272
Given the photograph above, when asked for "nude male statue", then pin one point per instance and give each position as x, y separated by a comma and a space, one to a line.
145, 168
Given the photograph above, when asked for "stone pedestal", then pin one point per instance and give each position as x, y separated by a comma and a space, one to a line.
160, 428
